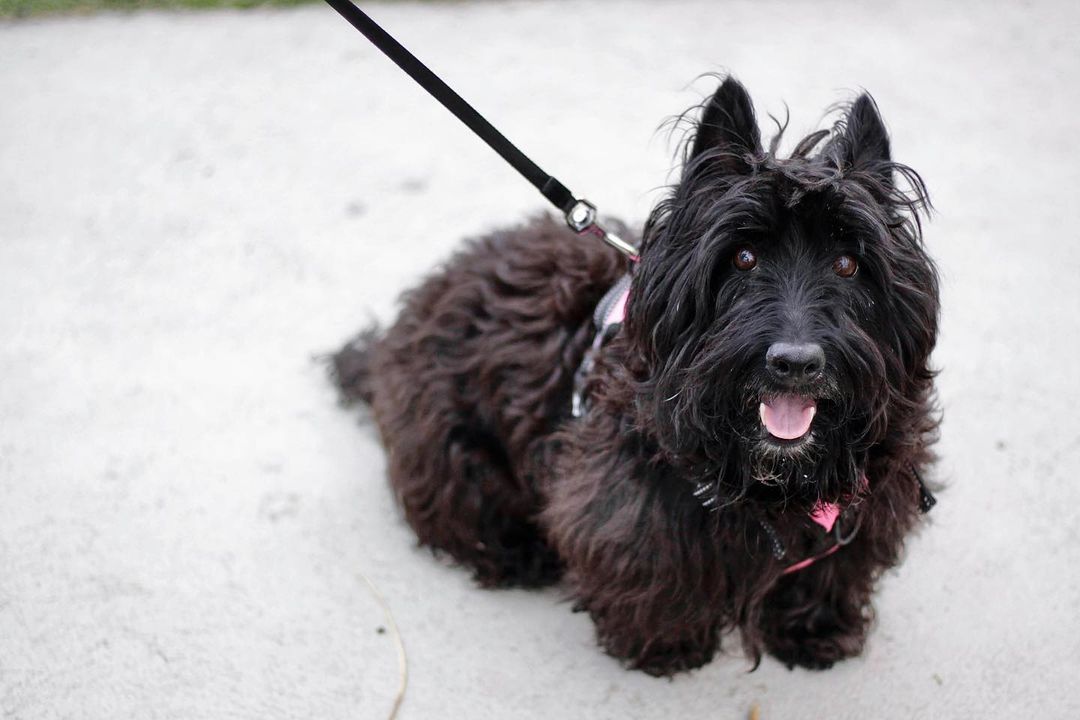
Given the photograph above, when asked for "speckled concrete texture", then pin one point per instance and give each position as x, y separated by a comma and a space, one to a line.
193, 206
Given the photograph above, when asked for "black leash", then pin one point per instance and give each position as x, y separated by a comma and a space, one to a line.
580, 214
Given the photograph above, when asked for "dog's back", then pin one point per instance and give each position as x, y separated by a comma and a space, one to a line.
475, 372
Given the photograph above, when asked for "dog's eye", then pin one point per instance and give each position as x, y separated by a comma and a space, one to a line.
744, 259
845, 266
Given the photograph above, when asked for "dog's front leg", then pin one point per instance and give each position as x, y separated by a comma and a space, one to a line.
820, 615
636, 550
661, 649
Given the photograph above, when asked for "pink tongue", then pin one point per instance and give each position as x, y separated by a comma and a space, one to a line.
788, 416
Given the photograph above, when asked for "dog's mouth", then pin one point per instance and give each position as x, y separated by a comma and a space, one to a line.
787, 418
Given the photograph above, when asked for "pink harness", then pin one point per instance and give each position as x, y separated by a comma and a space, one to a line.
825, 515
617, 313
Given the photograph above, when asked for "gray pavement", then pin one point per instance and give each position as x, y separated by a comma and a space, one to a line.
193, 205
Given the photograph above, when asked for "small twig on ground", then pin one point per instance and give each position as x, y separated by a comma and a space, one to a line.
403, 662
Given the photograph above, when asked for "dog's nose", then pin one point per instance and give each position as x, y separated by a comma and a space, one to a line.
793, 363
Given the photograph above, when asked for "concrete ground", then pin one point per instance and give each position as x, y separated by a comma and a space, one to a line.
192, 206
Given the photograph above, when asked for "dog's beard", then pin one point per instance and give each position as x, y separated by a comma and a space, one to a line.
820, 465
741, 460
775, 465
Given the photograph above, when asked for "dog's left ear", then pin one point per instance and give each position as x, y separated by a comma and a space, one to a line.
727, 128
864, 143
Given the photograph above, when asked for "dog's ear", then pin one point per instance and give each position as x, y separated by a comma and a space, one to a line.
864, 143
728, 129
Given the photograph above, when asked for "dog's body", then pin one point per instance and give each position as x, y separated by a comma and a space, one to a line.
773, 360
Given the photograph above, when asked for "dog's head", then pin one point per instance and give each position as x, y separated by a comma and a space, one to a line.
784, 308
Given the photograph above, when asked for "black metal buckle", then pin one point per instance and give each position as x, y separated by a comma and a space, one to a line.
926, 498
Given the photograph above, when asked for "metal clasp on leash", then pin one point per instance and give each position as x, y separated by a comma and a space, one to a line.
581, 217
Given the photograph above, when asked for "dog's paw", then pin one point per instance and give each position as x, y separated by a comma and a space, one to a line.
800, 629
664, 659
816, 652
818, 639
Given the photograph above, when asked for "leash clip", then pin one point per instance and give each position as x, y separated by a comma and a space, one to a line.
581, 217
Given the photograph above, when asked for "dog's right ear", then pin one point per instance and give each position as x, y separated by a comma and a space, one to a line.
728, 130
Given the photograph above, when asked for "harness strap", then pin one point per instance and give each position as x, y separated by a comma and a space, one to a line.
927, 501
607, 318
611, 310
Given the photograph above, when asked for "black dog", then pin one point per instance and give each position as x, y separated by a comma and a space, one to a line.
751, 438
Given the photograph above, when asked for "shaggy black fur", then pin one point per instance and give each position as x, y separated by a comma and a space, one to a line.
470, 389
